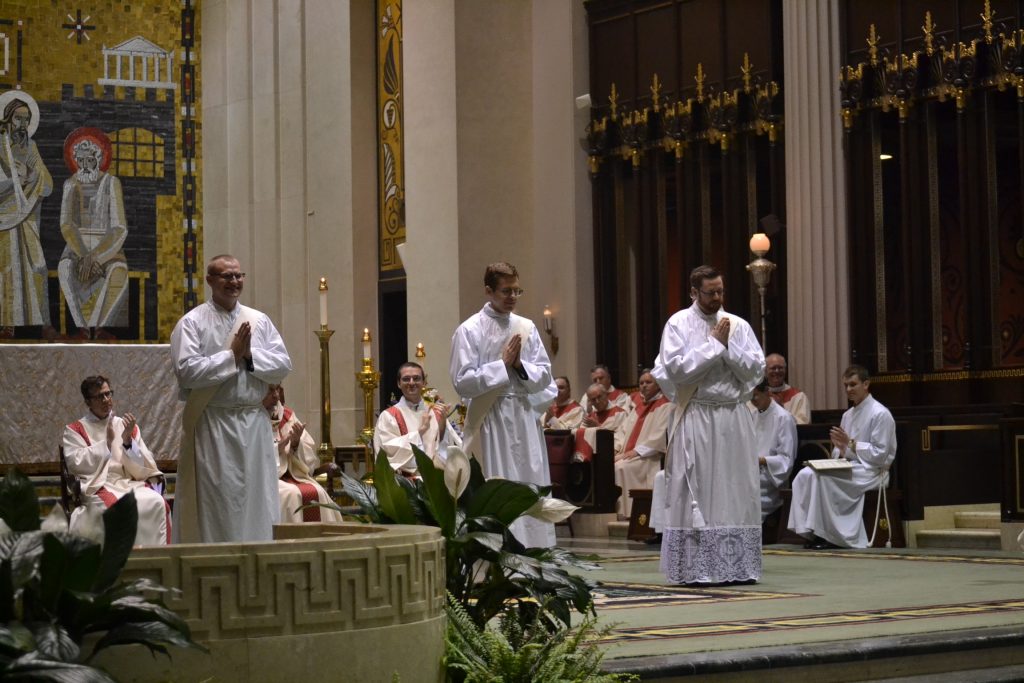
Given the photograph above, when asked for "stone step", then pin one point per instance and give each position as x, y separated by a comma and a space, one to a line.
976, 520
618, 529
975, 539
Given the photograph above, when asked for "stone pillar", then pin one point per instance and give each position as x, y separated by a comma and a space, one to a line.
818, 306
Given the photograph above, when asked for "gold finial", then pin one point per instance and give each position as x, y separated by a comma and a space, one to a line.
746, 69
323, 284
986, 21
873, 44
929, 29
366, 335
655, 90
420, 352
700, 82
613, 100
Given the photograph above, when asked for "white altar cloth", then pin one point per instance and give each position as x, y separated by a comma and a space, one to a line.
41, 394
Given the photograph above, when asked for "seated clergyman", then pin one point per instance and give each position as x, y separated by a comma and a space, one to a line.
563, 413
646, 430
296, 461
776, 442
107, 453
600, 415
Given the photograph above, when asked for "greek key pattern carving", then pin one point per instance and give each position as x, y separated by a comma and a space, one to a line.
300, 587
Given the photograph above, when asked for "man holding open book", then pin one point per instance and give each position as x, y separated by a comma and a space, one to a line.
828, 503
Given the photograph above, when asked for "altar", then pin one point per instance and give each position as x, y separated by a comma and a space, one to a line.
42, 394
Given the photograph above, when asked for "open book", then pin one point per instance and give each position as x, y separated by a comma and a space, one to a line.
830, 465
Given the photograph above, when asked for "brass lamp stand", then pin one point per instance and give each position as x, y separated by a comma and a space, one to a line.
761, 270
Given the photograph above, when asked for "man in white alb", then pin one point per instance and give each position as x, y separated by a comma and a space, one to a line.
225, 357
709, 363
776, 442
646, 431
499, 364
790, 398
828, 508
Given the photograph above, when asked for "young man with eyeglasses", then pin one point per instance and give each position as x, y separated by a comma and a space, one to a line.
107, 453
225, 357
414, 422
499, 364
709, 363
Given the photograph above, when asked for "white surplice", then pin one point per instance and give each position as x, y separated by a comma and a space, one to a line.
776, 442
510, 442
831, 506
388, 434
299, 464
616, 397
712, 520
235, 495
569, 416
117, 471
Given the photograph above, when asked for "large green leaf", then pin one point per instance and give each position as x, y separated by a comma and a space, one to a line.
153, 634
120, 522
23, 551
392, 499
6, 592
54, 642
364, 496
19, 505
16, 640
502, 499
68, 563
437, 497
32, 668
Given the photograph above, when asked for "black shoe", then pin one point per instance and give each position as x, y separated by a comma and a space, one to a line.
822, 544
653, 540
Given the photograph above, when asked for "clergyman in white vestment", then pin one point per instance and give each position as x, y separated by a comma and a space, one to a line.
775, 446
499, 364
828, 509
709, 363
225, 356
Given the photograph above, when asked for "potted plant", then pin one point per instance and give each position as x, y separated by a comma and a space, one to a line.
59, 589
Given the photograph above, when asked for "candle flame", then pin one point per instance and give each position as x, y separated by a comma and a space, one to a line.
366, 334
323, 284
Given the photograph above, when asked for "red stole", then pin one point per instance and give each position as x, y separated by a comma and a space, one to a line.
783, 397
559, 411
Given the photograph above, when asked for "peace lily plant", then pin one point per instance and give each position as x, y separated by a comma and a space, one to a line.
488, 571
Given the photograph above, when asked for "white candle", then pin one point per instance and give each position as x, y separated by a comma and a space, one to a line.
323, 302
366, 342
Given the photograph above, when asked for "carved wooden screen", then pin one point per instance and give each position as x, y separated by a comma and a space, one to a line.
933, 109
686, 156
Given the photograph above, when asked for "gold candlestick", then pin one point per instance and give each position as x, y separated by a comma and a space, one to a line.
369, 380
326, 448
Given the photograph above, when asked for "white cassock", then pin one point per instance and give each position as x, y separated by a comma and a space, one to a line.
510, 441
611, 420
831, 506
569, 416
229, 489
712, 523
295, 484
776, 441
397, 431
109, 473
794, 401
646, 432
616, 397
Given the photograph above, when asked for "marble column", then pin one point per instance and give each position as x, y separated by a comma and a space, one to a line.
818, 305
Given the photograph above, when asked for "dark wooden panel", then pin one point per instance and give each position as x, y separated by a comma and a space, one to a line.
699, 19
613, 63
657, 52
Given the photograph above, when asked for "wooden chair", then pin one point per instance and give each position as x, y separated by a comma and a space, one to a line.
70, 486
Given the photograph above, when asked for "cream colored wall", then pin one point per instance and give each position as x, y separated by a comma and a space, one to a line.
493, 172
285, 154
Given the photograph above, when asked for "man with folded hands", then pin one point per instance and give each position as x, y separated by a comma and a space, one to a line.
828, 506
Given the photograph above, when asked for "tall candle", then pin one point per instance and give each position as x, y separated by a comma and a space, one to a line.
759, 243
323, 302
366, 342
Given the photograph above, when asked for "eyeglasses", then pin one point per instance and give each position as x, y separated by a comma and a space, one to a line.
712, 293
230, 277
103, 395
411, 380
509, 291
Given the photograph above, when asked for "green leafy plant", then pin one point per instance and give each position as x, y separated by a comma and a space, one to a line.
489, 572
512, 652
58, 588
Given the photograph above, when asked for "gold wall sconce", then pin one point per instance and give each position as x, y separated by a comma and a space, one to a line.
549, 327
